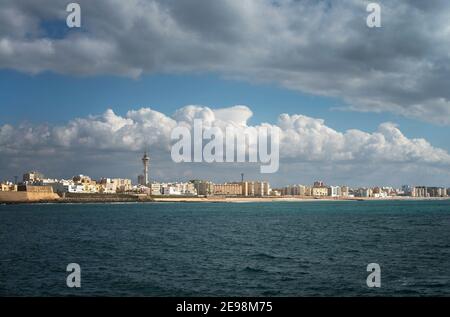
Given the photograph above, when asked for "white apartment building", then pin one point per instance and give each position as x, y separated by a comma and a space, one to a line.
186, 189
334, 191
64, 186
156, 188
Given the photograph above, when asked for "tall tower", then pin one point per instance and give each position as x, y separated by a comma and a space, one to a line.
146, 162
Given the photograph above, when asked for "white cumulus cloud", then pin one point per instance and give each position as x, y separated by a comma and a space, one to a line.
97, 139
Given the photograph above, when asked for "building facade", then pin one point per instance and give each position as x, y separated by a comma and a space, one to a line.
8, 187
227, 189
319, 191
419, 191
334, 191
32, 177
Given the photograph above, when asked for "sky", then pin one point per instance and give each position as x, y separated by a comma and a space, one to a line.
354, 105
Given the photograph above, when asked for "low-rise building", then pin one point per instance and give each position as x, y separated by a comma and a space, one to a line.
178, 188
8, 187
31, 177
276, 192
204, 188
383, 192
319, 191
319, 184
380, 193
122, 184
227, 189
294, 190
141, 189
156, 188
308, 191
81, 184
406, 190
69, 186
363, 192
188, 189
45, 182
91, 188
169, 189
107, 186
82, 179
345, 191
388, 191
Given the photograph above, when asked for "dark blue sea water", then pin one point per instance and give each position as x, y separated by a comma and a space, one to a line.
226, 249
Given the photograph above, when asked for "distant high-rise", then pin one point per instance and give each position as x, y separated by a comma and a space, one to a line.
141, 180
32, 176
146, 162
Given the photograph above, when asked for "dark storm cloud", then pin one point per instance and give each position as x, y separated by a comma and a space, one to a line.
318, 47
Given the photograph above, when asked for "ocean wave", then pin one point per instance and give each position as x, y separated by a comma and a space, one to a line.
263, 255
250, 269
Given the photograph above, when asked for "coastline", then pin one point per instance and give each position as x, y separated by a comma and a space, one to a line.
159, 199
291, 199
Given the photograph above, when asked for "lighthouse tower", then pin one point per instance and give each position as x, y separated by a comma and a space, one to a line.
146, 162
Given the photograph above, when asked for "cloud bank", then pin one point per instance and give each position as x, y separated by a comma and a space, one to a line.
96, 141
317, 47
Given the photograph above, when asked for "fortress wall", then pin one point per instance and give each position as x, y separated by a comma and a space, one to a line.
13, 196
41, 196
7, 197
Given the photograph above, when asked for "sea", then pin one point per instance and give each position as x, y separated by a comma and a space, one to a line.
317, 248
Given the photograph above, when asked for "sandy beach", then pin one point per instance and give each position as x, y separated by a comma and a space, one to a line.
212, 199
287, 199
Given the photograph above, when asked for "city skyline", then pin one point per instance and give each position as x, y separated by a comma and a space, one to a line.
36, 182
110, 142
145, 181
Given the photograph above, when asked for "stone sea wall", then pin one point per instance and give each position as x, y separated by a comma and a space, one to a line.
23, 197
